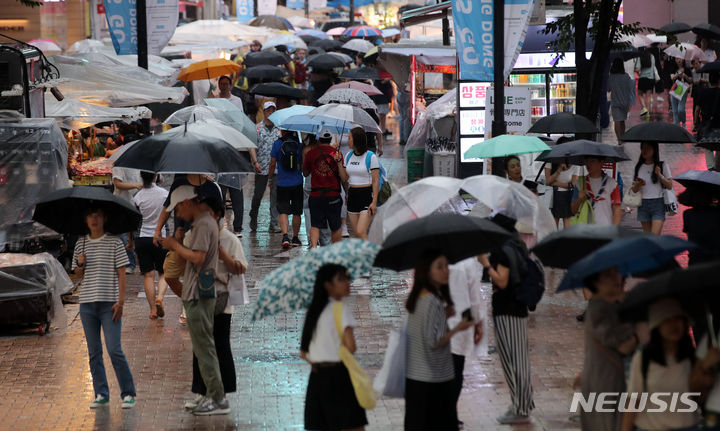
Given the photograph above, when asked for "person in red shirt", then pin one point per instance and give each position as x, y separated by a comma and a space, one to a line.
324, 164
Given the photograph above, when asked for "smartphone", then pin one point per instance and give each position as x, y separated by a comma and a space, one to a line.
467, 315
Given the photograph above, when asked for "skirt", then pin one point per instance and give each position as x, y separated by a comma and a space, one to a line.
330, 402
561, 203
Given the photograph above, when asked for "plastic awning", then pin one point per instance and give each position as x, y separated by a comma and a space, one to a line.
76, 114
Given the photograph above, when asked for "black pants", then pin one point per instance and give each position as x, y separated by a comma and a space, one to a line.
221, 332
459, 363
238, 206
430, 406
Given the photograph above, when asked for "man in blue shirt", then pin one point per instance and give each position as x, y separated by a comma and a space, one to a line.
286, 155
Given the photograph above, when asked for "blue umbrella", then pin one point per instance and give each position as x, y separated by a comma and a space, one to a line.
305, 124
234, 117
313, 32
283, 114
290, 287
629, 255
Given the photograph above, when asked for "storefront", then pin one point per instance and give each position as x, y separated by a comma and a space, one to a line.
63, 21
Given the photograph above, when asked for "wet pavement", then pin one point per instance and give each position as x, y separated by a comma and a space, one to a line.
47, 381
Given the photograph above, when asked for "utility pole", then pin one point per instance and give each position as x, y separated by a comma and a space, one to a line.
352, 13
255, 6
307, 8
142, 48
498, 124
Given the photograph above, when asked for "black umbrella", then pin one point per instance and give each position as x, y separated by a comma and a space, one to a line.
574, 152
272, 21
563, 123
266, 73
278, 89
675, 28
327, 44
314, 50
624, 53
325, 62
693, 178
710, 67
188, 153
456, 236
270, 58
707, 30
710, 141
666, 133
308, 39
64, 210
563, 248
361, 73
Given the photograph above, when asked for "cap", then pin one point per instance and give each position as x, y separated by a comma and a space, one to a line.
269, 105
662, 310
181, 194
325, 135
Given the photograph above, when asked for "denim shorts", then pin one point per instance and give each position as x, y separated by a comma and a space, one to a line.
651, 209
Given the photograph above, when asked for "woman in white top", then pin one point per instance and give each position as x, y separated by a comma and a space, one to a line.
330, 401
363, 168
561, 177
652, 178
660, 370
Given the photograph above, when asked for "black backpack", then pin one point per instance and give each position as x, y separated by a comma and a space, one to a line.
530, 275
290, 154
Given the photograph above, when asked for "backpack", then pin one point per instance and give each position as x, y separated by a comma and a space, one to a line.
530, 285
384, 189
290, 154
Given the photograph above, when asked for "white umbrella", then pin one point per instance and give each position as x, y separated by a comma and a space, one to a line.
301, 22
349, 96
347, 114
358, 45
337, 31
85, 45
217, 129
686, 51
637, 40
47, 46
390, 32
193, 113
289, 40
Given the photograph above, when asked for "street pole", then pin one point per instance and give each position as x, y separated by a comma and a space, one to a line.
498, 124
142, 48
352, 13
307, 8
255, 5
446, 30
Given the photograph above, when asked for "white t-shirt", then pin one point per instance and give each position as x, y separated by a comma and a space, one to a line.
126, 175
603, 198
325, 342
230, 242
566, 176
356, 167
150, 202
237, 102
652, 190
713, 399
466, 292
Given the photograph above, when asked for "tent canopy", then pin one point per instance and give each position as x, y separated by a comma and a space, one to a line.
76, 114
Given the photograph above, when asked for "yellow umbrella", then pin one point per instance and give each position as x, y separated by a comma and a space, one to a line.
374, 50
207, 69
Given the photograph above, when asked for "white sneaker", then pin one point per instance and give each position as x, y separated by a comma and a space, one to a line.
208, 407
128, 402
189, 405
100, 401
345, 233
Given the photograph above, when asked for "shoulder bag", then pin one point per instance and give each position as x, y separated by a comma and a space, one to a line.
584, 214
360, 381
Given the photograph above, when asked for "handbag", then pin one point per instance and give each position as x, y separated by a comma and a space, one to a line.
238, 290
390, 380
671, 202
679, 89
632, 199
360, 381
206, 283
585, 213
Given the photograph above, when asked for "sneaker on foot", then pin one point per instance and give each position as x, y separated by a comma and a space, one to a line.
644, 112
99, 402
511, 418
128, 402
208, 407
345, 233
193, 403
296, 242
253, 224
274, 229
285, 241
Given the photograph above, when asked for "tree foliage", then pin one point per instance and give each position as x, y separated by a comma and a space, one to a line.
30, 3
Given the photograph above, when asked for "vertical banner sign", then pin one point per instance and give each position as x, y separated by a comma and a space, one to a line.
244, 10
162, 20
317, 4
474, 38
267, 7
122, 22
517, 19
296, 4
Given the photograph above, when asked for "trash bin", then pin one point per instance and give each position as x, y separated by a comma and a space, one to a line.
415, 164
444, 164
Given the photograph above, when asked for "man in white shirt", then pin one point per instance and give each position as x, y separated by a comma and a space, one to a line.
602, 191
126, 183
225, 86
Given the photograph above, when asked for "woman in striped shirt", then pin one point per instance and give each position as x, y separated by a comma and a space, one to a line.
429, 387
100, 260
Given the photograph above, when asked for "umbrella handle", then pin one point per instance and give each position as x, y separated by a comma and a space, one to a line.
540, 172
711, 326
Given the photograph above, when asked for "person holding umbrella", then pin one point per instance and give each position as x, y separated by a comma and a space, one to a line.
225, 86
701, 222
652, 178
601, 190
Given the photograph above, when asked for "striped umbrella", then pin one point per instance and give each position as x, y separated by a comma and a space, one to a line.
362, 31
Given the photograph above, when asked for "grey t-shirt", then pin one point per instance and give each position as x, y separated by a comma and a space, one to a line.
205, 237
425, 327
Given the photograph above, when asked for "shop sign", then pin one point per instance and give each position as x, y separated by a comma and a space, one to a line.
244, 10
472, 94
267, 7
296, 4
436, 68
471, 116
517, 109
472, 122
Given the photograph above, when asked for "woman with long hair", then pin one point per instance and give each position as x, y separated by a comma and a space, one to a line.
622, 93
652, 178
363, 169
430, 376
330, 401
645, 67
561, 178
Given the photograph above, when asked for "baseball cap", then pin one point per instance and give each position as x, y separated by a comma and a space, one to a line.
181, 194
269, 105
325, 135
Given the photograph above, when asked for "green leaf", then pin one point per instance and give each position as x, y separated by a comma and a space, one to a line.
30, 3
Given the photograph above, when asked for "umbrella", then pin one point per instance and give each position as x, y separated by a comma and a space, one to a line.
374, 51
629, 255
710, 141
314, 50
64, 210
325, 62
675, 28
271, 21
563, 248
666, 133
281, 115
312, 33
574, 152
216, 129
505, 145
308, 39
389, 32
365, 88
710, 67
349, 96
193, 113
186, 153
305, 124
233, 116
207, 69
563, 123
358, 45
637, 40
291, 41
347, 114
48, 46
269, 58
686, 51
85, 45
278, 89
362, 31
265, 73
708, 31
361, 73
337, 31
290, 287
327, 44
625, 53
457, 237
693, 178
346, 59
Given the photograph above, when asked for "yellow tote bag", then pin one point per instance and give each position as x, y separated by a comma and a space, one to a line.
360, 381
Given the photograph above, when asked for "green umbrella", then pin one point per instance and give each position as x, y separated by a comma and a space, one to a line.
506, 145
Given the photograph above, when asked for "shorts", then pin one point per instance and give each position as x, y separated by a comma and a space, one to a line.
325, 211
359, 199
330, 402
290, 200
619, 112
562, 199
171, 267
646, 84
383, 108
651, 209
151, 257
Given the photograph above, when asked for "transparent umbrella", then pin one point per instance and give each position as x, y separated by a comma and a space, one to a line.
192, 113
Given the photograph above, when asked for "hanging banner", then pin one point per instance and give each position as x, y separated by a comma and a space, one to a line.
517, 19
122, 23
267, 7
317, 4
296, 4
162, 20
244, 10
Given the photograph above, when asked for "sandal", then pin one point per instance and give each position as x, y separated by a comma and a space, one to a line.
182, 320
160, 309
153, 316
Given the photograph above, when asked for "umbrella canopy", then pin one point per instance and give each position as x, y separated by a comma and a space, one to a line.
207, 69
314, 50
361, 73
290, 287
305, 124
505, 145
64, 210
85, 45
291, 41
233, 116
211, 128
318, 34
271, 21
346, 59
362, 31
374, 51
327, 44
389, 32
368, 89
281, 115
666, 133
186, 153
347, 114
457, 237
686, 51
693, 178
48, 46
308, 39
358, 45
574, 152
637, 40
325, 62
563, 248
710, 141
675, 28
268, 58
337, 31
707, 30
629, 255
265, 73
193, 113
349, 96
563, 123
710, 67
278, 89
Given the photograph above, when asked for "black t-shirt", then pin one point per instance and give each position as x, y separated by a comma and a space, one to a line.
702, 226
504, 301
709, 102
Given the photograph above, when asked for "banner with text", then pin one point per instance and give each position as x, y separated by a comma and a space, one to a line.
518, 118
122, 23
162, 20
267, 7
244, 10
296, 4
517, 19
